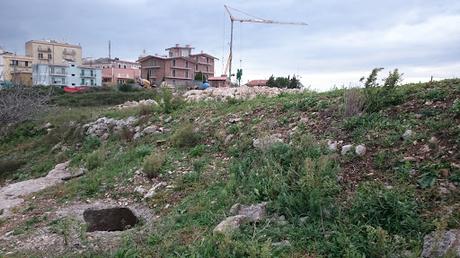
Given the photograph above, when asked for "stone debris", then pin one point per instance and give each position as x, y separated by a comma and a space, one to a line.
346, 148
332, 145
407, 135
439, 244
242, 92
144, 102
266, 142
152, 190
105, 125
360, 150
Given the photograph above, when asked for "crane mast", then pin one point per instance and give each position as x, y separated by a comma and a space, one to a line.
228, 66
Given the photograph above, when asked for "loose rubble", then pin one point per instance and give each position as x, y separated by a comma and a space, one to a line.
439, 244
346, 148
242, 92
144, 102
266, 142
360, 150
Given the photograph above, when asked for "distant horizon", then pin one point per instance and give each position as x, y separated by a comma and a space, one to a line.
342, 42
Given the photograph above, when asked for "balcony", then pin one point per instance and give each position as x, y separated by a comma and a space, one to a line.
150, 67
182, 68
83, 75
44, 49
57, 73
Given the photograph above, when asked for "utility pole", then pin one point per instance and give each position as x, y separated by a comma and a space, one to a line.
254, 20
110, 51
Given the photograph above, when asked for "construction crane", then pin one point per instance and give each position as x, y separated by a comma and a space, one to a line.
228, 66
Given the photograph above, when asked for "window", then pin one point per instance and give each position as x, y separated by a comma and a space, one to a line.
49, 56
73, 75
174, 62
92, 72
186, 74
82, 73
73, 84
124, 66
73, 65
82, 81
26, 63
119, 65
207, 60
174, 73
207, 68
151, 72
92, 82
40, 55
14, 62
196, 67
186, 64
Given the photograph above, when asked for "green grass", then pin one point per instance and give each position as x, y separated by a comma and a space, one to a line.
383, 210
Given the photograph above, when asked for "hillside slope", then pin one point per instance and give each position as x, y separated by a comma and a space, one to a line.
182, 167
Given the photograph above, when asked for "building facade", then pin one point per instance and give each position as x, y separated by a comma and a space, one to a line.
115, 71
67, 75
53, 52
16, 69
178, 68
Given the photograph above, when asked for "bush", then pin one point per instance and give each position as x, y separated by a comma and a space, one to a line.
153, 164
169, 102
393, 210
381, 96
298, 181
7, 166
456, 107
126, 87
95, 159
186, 136
353, 102
18, 104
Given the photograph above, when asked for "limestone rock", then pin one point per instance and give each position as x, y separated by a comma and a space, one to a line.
332, 145
346, 149
360, 150
230, 224
407, 135
266, 142
438, 244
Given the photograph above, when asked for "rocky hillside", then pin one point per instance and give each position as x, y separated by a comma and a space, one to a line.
346, 173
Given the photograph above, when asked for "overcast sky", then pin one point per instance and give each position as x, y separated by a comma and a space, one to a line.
343, 42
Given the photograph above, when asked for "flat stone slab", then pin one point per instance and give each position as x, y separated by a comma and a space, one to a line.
12, 195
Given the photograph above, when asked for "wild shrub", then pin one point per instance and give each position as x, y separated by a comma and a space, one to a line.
186, 136
392, 209
125, 87
7, 166
153, 164
126, 134
95, 159
353, 102
297, 180
146, 110
19, 104
381, 96
456, 107
168, 102
197, 151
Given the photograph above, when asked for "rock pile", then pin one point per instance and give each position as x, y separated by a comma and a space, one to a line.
242, 92
144, 102
103, 126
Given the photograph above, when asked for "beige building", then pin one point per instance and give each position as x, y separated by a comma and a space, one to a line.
17, 69
53, 52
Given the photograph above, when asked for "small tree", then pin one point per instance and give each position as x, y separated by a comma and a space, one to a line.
271, 82
294, 83
380, 96
199, 76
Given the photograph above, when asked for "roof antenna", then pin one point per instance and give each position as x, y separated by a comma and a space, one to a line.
110, 51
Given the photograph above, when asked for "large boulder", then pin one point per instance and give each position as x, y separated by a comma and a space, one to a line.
241, 214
